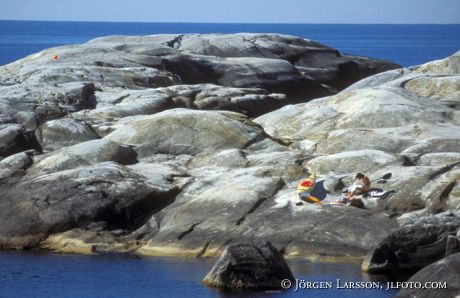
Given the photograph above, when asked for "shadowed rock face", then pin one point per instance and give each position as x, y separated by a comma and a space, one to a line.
445, 271
414, 246
257, 265
34, 208
123, 156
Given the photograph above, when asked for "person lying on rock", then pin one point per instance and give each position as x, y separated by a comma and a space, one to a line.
304, 190
360, 187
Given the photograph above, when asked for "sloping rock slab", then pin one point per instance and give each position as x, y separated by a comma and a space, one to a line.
445, 271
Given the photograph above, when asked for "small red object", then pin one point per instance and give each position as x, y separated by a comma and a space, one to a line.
307, 183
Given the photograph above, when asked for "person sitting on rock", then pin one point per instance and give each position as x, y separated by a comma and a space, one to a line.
304, 189
360, 186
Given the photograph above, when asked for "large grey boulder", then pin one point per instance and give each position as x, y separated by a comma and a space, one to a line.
83, 154
183, 131
414, 246
15, 166
60, 133
444, 273
254, 265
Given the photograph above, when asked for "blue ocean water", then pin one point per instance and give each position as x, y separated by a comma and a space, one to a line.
404, 44
40, 275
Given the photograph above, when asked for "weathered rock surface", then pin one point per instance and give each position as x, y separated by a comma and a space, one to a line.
60, 133
255, 265
445, 271
414, 245
147, 145
122, 76
14, 138
391, 122
83, 154
34, 208
449, 65
183, 131
15, 166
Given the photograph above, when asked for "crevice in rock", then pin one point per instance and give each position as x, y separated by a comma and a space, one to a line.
120, 99
252, 41
301, 161
253, 208
108, 65
188, 231
444, 170
319, 224
255, 140
282, 142
139, 63
203, 251
226, 243
280, 184
407, 162
92, 129
447, 190
283, 250
404, 83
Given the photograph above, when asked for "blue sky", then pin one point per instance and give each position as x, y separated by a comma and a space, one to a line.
237, 11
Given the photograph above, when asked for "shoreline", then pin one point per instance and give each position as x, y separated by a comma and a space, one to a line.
59, 244
185, 256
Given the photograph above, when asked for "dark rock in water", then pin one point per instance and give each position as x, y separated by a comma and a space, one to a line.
256, 265
413, 246
445, 271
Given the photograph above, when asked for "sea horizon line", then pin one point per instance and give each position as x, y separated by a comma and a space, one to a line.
219, 23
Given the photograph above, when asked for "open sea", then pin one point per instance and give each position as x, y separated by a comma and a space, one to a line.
404, 44
24, 274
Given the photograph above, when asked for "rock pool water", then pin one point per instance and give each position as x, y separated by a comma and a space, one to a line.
24, 274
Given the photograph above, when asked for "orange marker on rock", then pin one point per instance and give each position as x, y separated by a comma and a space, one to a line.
55, 57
